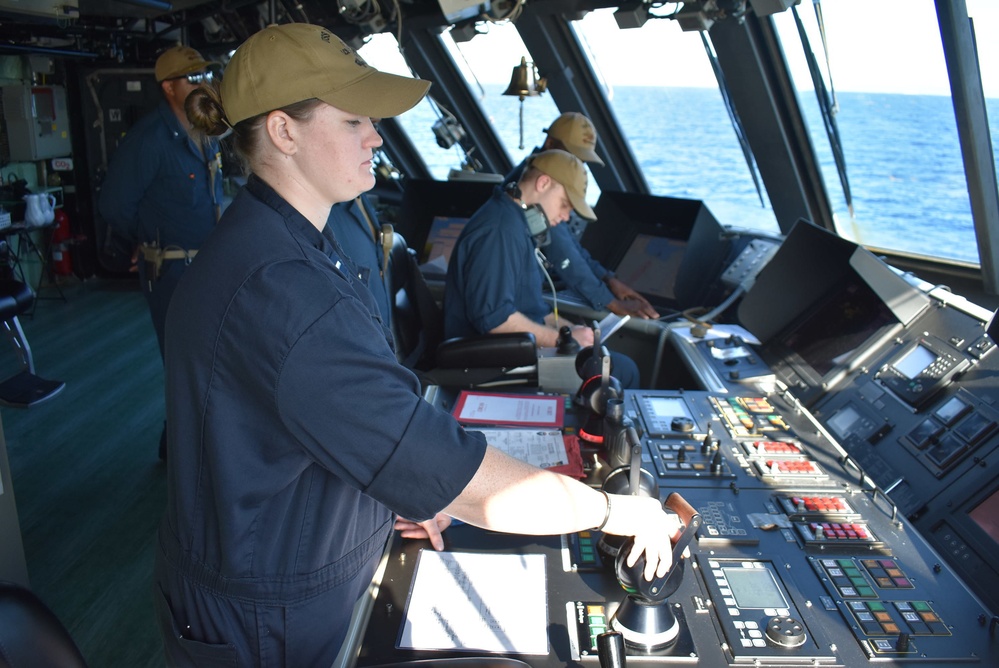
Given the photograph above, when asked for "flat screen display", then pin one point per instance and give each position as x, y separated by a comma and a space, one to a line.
842, 422
651, 263
831, 334
754, 588
986, 516
915, 362
668, 407
444, 232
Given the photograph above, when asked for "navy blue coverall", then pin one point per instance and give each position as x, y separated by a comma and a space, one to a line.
162, 188
294, 436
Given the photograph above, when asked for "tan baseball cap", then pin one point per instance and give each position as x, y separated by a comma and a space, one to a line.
285, 64
577, 134
178, 61
568, 170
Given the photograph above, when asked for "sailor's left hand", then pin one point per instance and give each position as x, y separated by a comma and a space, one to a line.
427, 530
629, 301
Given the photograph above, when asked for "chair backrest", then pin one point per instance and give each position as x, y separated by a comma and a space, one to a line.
418, 328
417, 320
31, 634
15, 298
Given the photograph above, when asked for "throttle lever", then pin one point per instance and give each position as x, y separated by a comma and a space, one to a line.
635, 472
655, 590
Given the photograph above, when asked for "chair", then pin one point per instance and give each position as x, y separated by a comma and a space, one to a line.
24, 389
471, 361
31, 634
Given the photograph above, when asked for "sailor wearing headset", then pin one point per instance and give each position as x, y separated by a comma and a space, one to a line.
494, 278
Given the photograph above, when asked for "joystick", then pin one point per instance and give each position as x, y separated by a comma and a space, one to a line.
566, 345
631, 479
645, 618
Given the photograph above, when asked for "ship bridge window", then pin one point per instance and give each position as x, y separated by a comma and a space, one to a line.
487, 76
486, 63
666, 98
889, 95
382, 52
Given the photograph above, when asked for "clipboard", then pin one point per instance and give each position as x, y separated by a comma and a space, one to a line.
509, 410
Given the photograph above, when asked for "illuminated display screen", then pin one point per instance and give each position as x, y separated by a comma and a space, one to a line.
651, 264
830, 336
915, 362
952, 410
986, 516
668, 407
843, 421
754, 588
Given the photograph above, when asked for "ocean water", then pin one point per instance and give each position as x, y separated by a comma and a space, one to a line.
902, 155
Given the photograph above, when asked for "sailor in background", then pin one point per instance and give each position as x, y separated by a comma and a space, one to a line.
584, 276
163, 189
495, 276
355, 226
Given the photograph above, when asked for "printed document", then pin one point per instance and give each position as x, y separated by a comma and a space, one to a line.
477, 602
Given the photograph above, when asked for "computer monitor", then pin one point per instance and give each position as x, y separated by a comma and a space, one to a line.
443, 235
668, 248
822, 306
850, 318
431, 211
986, 516
651, 264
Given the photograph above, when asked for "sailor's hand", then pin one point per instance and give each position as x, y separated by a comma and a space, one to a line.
654, 530
632, 302
428, 530
636, 308
583, 335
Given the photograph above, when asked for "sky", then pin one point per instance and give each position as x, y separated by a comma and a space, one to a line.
874, 46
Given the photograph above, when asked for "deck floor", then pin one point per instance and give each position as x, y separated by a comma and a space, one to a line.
88, 483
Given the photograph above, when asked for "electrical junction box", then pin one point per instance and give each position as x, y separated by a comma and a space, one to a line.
37, 122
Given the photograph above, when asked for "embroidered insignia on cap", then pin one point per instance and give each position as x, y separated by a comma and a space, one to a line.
325, 36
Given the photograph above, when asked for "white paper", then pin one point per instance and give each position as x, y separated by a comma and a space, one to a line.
541, 448
611, 324
511, 409
477, 602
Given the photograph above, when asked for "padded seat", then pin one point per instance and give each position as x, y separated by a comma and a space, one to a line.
418, 327
15, 298
31, 634
24, 388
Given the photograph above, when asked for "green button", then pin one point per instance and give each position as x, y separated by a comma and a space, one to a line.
865, 592
875, 606
921, 606
845, 563
859, 582
586, 551
597, 620
852, 572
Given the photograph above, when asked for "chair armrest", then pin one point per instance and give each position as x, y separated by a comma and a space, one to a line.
508, 350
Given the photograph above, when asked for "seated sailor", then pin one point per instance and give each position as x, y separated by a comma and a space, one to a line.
496, 272
583, 275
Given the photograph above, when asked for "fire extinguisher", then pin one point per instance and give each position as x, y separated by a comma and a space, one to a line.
61, 262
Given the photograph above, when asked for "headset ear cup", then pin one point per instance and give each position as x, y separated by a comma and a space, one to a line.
598, 404
587, 365
594, 398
